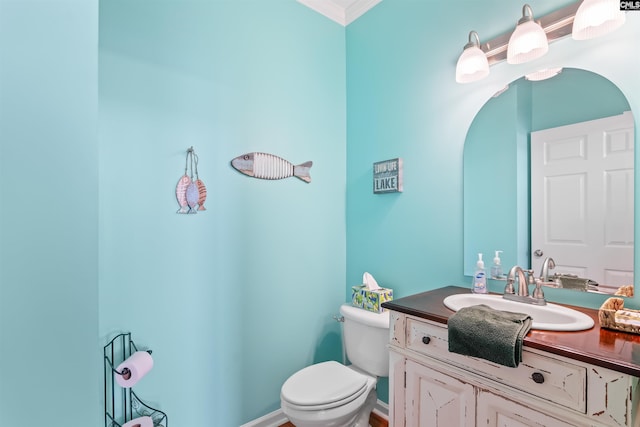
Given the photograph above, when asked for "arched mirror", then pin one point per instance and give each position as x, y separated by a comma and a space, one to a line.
510, 199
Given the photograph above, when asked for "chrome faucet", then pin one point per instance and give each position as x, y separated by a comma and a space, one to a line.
548, 264
523, 284
523, 287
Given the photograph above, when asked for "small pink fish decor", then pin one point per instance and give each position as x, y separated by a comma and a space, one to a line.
268, 166
191, 194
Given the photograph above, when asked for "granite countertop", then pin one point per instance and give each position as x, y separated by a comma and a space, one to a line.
616, 350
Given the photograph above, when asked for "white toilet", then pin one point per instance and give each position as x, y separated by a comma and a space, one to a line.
329, 394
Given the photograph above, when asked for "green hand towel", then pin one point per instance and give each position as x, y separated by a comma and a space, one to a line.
494, 335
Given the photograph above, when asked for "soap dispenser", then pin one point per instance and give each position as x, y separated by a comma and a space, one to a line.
479, 278
496, 268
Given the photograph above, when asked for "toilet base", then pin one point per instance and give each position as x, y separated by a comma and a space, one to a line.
363, 418
357, 419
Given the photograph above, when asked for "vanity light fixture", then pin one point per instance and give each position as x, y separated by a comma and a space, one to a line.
528, 40
554, 26
472, 64
595, 18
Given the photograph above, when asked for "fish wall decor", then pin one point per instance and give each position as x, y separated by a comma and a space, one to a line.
181, 192
191, 194
268, 166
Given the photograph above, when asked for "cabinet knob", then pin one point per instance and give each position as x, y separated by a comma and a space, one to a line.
537, 377
426, 340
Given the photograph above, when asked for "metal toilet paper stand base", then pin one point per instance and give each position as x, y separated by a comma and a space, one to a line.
124, 404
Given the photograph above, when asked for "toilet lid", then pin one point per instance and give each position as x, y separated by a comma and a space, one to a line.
323, 383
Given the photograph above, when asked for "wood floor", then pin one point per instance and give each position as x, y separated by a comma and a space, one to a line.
375, 421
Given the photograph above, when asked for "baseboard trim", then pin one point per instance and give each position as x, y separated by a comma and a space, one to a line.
277, 418
273, 419
382, 409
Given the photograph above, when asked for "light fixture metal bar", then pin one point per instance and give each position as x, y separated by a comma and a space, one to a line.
556, 25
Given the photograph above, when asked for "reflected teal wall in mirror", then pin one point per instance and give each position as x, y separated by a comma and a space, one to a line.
492, 162
496, 151
573, 96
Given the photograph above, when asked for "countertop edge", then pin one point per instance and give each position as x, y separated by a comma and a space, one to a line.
593, 346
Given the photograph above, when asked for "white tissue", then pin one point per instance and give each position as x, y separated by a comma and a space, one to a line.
370, 282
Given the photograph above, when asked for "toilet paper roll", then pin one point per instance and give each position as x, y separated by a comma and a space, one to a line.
133, 369
140, 422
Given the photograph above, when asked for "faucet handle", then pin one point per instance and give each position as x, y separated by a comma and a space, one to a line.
538, 293
508, 289
531, 277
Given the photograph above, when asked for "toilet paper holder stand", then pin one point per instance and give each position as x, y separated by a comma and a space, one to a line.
123, 403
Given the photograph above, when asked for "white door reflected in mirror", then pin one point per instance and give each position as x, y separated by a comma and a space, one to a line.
582, 204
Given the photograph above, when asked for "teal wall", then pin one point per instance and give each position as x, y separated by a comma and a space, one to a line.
50, 363
98, 104
403, 101
235, 299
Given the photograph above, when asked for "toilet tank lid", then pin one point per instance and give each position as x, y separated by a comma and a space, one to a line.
360, 315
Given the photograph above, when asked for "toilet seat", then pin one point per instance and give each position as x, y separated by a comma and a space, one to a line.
323, 386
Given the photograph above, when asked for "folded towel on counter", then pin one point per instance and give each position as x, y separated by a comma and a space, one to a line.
494, 335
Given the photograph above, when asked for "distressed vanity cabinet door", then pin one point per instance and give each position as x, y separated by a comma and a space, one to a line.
496, 411
434, 399
613, 398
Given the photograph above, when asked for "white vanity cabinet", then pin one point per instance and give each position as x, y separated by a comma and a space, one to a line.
431, 387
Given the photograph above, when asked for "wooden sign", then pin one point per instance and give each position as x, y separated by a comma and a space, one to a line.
387, 176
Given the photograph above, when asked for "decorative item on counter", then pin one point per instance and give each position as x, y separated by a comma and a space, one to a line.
370, 295
189, 193
387, 176
268, 166
625, 291
613, 315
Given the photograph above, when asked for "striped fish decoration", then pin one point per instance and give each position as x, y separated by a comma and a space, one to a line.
192, 196
268, 166
202, 194
181, 193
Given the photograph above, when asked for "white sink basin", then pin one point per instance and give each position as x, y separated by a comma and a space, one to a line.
550, 317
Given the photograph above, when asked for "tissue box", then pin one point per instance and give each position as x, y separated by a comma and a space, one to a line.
370, 300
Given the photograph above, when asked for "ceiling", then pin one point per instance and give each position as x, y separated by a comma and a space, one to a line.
343, 12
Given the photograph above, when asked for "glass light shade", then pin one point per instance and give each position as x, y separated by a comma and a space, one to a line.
595, 18
472, 65
527, 42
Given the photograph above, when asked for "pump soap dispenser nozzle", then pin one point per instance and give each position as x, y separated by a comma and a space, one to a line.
496, 268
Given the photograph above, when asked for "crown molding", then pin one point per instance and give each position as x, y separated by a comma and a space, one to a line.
343, 12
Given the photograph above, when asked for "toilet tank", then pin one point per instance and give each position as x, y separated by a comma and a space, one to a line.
366, 336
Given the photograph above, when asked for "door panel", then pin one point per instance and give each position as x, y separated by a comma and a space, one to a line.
582, 199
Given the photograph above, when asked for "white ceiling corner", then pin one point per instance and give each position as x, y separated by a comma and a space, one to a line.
343, 12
